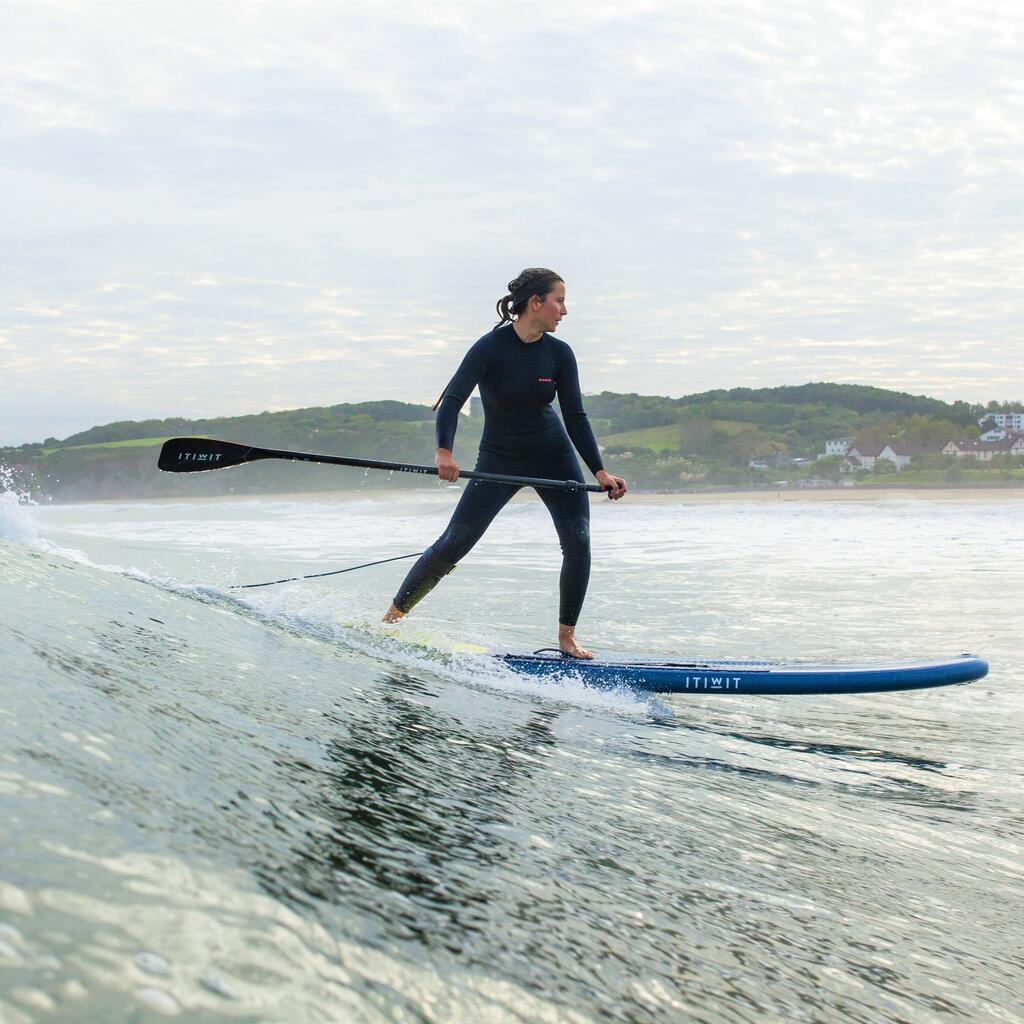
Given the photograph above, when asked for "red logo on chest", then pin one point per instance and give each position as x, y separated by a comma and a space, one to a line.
545, 380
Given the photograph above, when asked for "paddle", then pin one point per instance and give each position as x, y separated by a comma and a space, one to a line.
196, 454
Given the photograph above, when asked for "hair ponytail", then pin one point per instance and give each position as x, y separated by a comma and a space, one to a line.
504, 309
537, 281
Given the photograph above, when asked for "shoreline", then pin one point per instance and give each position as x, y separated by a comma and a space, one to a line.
765, 496
839, 494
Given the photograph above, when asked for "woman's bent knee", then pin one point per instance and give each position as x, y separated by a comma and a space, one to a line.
575, 540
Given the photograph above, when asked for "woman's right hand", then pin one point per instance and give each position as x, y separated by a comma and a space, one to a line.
447, 467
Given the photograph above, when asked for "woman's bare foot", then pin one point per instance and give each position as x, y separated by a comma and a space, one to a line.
567, 643
392, 615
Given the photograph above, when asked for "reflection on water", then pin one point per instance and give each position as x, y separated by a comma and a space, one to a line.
402, 803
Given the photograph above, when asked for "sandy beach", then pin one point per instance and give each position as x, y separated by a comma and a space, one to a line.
844, 494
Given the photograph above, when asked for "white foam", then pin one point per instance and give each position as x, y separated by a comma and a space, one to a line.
294, 609
16, 522
18, 525
319, 615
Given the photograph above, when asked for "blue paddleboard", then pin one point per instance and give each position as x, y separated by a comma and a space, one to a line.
667, 676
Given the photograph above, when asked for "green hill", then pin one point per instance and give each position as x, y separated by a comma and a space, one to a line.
660, 442
289, 423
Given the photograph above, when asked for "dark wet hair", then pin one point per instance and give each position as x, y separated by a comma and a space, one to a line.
532, 281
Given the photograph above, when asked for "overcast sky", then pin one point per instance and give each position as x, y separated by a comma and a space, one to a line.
217, 208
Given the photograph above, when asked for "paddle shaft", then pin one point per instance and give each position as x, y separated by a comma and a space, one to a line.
405, 467
196, 454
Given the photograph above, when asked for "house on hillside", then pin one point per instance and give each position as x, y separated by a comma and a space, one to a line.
861, 457
901, 454
1000, 434
984, 451
837, 446
1012, 420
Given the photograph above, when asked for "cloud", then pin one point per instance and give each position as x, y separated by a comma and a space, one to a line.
329, 199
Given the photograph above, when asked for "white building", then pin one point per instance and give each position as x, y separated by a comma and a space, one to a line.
1012, 420
901, 454
837, 446
861, 458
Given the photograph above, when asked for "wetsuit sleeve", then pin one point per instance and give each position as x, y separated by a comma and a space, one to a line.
467, 376
570, 400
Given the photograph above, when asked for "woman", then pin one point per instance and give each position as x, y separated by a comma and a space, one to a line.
520, 367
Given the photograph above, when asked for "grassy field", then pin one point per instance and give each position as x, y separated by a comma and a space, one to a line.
139, 442
655, 438
669, 436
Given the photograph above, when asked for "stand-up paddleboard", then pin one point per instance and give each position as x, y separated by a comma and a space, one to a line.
666, 676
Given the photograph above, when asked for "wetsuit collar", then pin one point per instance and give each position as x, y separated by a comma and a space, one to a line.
515, 333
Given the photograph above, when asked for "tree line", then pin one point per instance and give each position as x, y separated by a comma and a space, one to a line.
703, 440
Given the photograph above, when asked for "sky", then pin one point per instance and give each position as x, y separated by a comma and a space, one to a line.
214, 208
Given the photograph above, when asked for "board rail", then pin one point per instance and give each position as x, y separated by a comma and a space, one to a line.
747, 677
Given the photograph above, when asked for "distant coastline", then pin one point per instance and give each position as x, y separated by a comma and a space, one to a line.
742, 440
724, 496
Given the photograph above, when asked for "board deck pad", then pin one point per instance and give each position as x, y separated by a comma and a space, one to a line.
660, 675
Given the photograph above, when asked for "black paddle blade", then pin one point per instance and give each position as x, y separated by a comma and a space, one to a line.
195, 454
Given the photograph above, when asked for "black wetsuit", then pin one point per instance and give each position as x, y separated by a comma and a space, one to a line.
523, 437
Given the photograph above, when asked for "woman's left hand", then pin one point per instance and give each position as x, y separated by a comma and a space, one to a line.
614, 485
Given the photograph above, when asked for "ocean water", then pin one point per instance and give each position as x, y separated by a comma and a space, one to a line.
257, 806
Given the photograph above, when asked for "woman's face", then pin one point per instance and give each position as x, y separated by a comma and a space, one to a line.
552, 309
